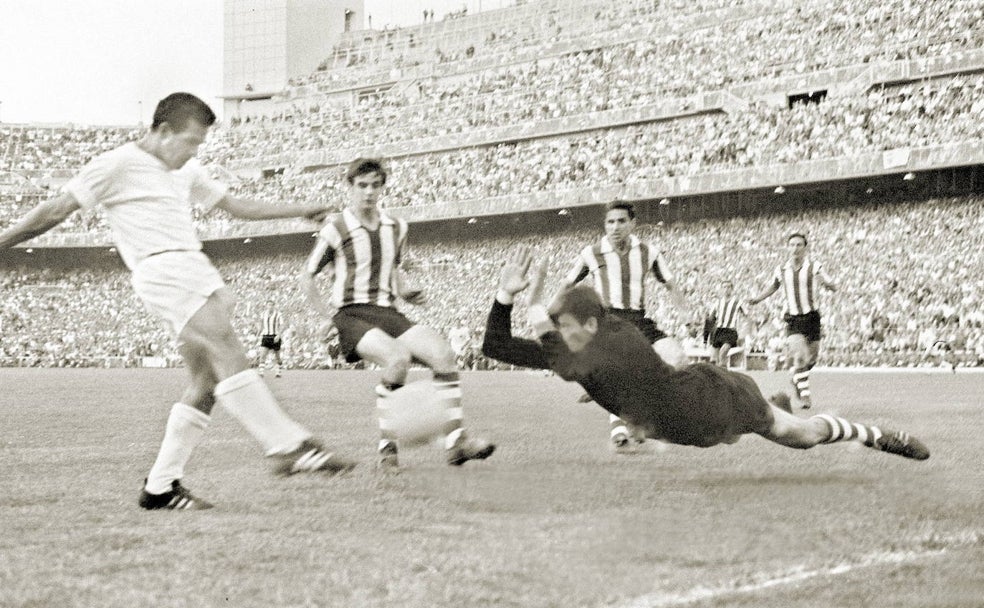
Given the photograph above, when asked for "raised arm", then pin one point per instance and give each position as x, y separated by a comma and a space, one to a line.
252, 209
39, 220
499, 343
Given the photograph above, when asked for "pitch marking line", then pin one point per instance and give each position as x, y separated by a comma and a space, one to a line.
797, 575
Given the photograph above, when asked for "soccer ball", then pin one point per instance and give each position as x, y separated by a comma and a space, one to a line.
414, 414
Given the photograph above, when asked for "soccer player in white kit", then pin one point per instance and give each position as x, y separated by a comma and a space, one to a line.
147, 189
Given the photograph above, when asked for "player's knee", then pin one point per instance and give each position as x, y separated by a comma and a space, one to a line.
444, 360
397, 358
791, 431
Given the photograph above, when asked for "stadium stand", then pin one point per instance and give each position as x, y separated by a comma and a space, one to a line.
561, 105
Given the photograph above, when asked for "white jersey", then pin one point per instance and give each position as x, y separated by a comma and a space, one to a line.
148, 206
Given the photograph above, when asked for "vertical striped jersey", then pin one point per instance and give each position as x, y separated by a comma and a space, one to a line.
271, 322
799, 285
363, 261
728, 310
620, 278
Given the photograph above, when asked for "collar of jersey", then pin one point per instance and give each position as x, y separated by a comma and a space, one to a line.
607, 247
353, 222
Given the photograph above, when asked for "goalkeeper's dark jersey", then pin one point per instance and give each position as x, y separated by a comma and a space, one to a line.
700, 405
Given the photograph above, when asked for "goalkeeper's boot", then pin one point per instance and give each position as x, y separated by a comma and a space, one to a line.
903, 444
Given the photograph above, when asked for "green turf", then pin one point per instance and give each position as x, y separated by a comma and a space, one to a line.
554, 518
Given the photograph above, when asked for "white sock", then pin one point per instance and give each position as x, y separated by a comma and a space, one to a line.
250, 401
184, 431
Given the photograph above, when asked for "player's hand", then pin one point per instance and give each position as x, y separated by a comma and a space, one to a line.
325, 328
512, 279
412, 295
537, 280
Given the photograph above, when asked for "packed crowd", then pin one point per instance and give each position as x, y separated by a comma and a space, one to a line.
769, 43
908, 275
934, 112
371, 56
911, 115
885, 314
617, 74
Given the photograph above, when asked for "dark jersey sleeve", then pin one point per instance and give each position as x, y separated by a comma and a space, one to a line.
501, 345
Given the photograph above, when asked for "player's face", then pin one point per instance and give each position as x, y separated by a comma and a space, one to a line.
366, 190
618, 225
178, 147
797, 248
575, 334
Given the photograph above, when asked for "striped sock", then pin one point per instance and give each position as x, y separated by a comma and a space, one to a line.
844, 430
448, 387
617, 426
801, 379
386, 435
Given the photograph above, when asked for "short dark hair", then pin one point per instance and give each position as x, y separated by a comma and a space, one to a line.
580, 301
797, 235
362, 166
178, 108
620, 204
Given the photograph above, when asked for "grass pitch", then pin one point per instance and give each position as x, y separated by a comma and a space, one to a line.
554, 518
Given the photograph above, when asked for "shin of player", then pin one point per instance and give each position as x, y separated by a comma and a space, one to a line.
361, 249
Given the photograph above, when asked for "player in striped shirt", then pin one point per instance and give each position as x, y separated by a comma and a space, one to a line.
800, 279
361, 249
270, 339
724, 335
619, 265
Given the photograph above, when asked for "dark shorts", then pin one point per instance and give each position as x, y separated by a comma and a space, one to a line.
354, 321
271, 341
643, 323
724, 335
712, 406
807, 325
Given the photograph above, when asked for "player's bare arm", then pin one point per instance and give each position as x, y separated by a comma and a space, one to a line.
765, 294
410, 293
827, 282
536, 311
678, 299
39, 220
312, 295
251, 209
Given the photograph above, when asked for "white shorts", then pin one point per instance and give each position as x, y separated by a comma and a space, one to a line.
173, 285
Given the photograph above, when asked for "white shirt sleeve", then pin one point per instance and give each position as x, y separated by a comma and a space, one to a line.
90, 185
204, 192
